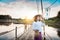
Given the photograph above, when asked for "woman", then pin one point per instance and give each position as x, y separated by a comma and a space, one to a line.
37, 27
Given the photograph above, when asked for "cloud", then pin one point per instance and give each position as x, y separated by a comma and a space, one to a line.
19, 9
16, 9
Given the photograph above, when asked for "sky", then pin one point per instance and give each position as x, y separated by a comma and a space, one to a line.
28, 8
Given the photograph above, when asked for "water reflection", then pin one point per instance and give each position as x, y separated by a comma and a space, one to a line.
53, 33
4, 38
11, 34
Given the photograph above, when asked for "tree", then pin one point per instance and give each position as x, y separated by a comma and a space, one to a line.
55, 21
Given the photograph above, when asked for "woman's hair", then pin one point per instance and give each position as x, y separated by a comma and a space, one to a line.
35, 17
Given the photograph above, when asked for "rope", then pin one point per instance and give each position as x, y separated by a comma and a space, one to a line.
52, 3
42, 7
37, 3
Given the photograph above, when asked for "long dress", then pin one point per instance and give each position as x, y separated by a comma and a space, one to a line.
38, 37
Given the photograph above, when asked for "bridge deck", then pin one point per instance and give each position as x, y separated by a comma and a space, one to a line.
28, 35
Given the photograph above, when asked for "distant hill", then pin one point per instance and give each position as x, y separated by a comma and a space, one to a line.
5, 20
54, 22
